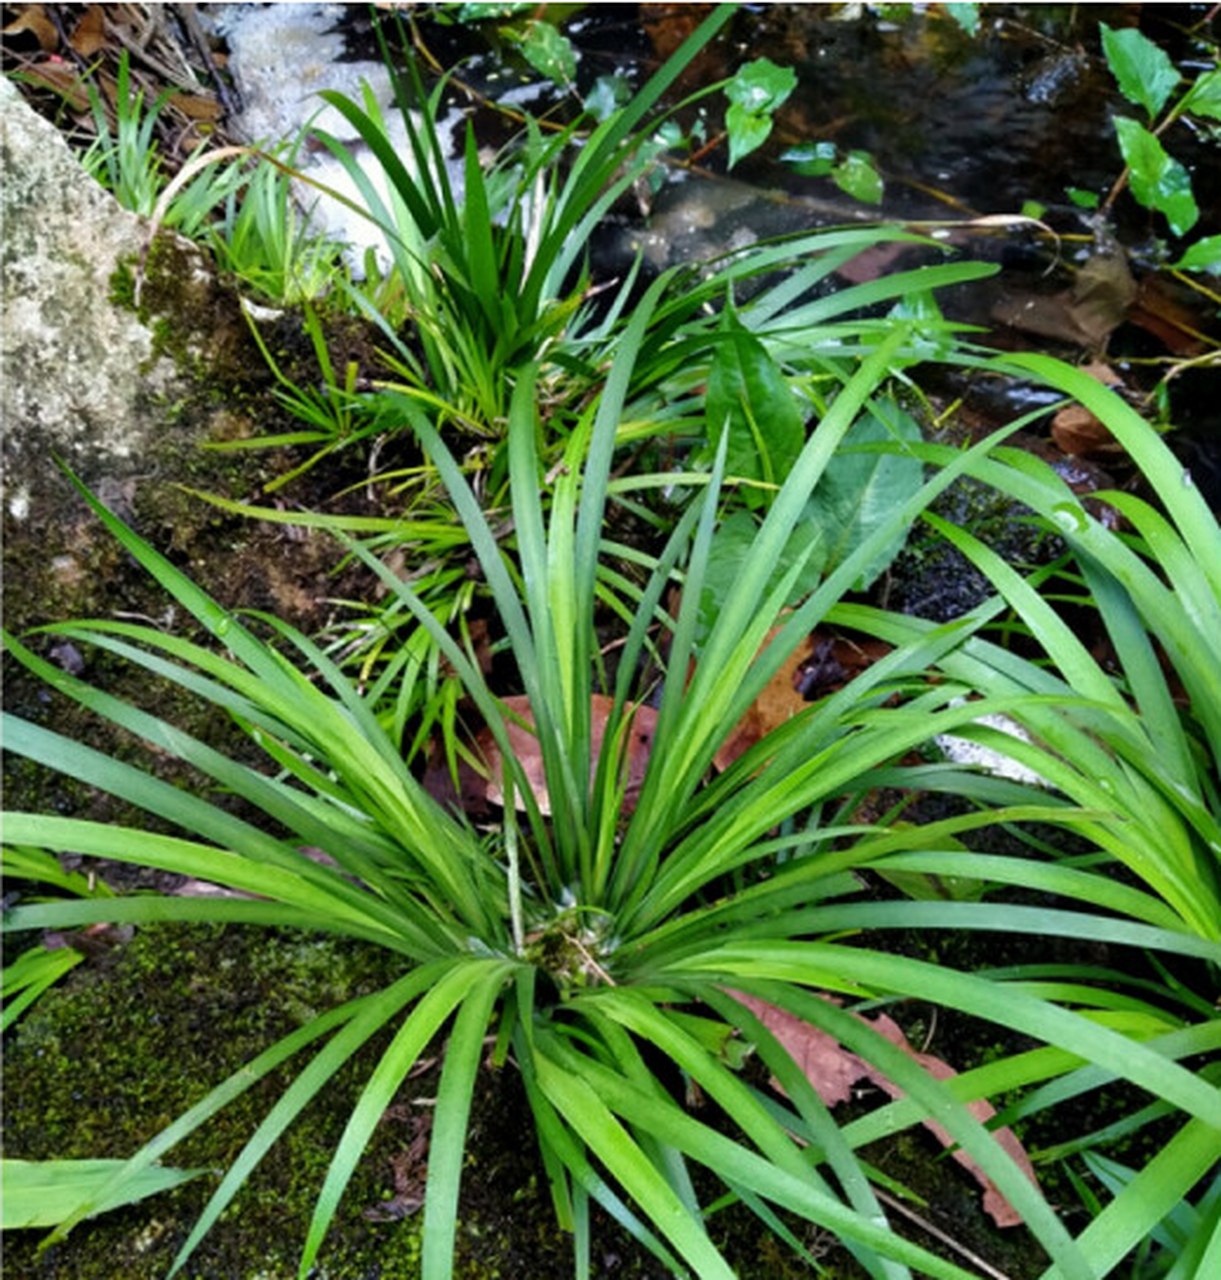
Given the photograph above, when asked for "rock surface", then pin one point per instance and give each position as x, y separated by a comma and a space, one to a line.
80, 374
124, 399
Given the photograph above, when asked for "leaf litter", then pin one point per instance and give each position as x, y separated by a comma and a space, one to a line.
832, 1070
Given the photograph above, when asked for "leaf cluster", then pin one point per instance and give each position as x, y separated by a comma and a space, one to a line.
1148, 79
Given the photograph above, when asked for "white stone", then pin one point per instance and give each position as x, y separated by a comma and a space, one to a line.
77, 372
964, 752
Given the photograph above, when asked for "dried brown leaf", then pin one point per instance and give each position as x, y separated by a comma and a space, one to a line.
59, 77
196, 106
1085, 315
33, 18
1158, 311
409, 1171
1103, 292
833, 1069
779, 702
90, 34
819, 665
1075, 429
1079, 433
526, 750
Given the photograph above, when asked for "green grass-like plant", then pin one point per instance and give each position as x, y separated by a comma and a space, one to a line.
1131, 733
125, 158
597, 942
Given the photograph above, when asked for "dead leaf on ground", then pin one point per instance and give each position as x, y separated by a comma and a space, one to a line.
409, 1171
1075, 429
1085, 315
195, 106
89, 35
526, 749
55, 74
1101, 296
1175, 325
819, 665
833, 1069
33, 18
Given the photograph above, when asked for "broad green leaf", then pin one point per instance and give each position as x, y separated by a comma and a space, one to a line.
1204, 97
749, 396
761, 86
485, 12
42, 1193
966, 15
856, 176
754, 94
1143, 71
1158, 180
859, 492
548, 50
1204, 255
731, 556
747, 131
811, 159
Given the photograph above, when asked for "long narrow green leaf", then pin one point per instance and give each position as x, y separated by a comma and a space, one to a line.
445, 986
583, 1108
1134, 1213
585, 1086
463, 1054
42, 1193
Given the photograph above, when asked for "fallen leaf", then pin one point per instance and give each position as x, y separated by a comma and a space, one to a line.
1078, 432
819, 665
1101, 295
526, 750
871, 263
778, 702
90, 33
196, 106
1175, 325
1075, 429
409, 1170
59, 77
832, 1070
1085, 315
33, 18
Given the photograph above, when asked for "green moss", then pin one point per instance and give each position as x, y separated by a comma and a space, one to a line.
133, 1039
103, 1063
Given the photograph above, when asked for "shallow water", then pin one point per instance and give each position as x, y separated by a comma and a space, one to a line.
958, 125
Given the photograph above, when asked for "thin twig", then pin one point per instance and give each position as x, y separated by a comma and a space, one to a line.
923, 1223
